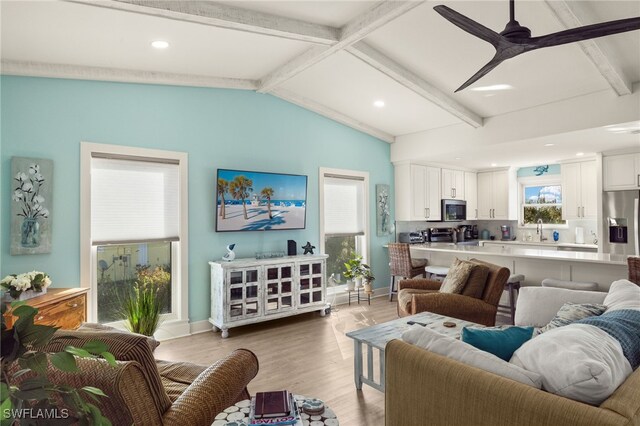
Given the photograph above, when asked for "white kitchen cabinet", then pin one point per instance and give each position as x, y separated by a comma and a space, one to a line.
471, 194
579, 190
497, 198
621, 172
417, 192
453, 184
247, 291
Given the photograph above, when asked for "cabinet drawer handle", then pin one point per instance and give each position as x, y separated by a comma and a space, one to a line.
639, 180
74, 305
476, 213
41, 317
582, 211
578, 211
428, 212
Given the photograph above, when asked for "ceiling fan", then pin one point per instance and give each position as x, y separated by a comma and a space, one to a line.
516, 39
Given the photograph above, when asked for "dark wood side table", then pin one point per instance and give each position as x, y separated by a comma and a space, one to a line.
62, 307
357, 295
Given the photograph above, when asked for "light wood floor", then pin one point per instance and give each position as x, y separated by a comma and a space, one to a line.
305, 354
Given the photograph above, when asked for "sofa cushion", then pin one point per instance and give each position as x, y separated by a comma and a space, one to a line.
502, 342
455, 349
536, 306
477, 281
153, 343
623, 294
177, 376
578, 361
572, 312
457, 277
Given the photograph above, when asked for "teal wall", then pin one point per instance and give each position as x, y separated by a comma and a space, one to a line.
236, 129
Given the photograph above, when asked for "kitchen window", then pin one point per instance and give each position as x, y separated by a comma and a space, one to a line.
541, 200
344, 218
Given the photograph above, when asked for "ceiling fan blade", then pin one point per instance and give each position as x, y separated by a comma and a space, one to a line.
497, 60
586, 32
469, 25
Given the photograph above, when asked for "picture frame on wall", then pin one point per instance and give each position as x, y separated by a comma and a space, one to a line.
31, 205
383, 212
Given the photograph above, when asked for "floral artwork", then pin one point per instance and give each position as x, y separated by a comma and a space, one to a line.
383, 213
31, 192
16, 284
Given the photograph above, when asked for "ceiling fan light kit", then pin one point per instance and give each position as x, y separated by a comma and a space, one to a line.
516, 39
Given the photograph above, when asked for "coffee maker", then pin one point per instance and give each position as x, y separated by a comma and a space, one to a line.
505, 230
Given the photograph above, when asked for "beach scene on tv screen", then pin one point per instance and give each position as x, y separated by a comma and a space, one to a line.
255, 201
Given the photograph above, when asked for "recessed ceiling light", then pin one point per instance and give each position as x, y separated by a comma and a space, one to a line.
549, 144
160, 44
379, 103
492, 87
579, 154
458, 158
494, 165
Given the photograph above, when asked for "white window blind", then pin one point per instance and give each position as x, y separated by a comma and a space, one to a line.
343, 206
134, 201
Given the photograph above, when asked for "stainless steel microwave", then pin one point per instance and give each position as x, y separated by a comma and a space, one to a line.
454, 210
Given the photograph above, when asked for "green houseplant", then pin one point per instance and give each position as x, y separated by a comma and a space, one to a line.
27, 396
353, 271
368, 278
143, 306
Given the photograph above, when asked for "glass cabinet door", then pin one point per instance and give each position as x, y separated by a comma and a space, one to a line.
243, 293
311, 283
279, 288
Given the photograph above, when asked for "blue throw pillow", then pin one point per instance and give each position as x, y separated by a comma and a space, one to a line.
499, 342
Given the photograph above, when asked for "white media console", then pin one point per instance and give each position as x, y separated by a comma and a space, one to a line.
247, 291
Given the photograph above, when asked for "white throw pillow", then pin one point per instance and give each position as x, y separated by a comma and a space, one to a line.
536, 306
455, 349
623, 294
577, 361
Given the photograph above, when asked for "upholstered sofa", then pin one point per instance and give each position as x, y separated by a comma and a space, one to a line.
423, 388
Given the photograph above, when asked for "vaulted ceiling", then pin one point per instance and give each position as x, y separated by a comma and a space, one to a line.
333, 57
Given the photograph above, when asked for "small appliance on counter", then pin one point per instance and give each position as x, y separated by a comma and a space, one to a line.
505, 232
441, 235
411, 237
579, 235
484, 235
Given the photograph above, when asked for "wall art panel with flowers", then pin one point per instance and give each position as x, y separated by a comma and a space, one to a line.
31, 205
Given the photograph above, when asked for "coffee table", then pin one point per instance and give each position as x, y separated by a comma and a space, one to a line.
238, 415
377, 336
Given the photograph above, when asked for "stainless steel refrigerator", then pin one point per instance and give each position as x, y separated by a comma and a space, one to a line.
622, 222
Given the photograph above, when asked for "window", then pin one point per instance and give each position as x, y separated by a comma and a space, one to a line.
344, 222
134, 229
541, 200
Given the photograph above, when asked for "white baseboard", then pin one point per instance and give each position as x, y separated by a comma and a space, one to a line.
172, 330
200, 326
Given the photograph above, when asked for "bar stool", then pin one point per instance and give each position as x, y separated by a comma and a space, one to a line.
512, 286
402, 265
437, 273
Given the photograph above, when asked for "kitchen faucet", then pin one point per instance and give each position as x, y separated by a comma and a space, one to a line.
539, 230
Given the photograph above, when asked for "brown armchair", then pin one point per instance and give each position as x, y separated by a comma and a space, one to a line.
634, 269
142, 392
420, 295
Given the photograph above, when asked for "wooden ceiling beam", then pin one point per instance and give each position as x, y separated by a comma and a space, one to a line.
569, 17
332, 114
224, 16
355, 30
81, 72
413, 82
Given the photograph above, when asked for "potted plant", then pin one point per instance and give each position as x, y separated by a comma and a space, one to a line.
368, 278
353, 271
27, 285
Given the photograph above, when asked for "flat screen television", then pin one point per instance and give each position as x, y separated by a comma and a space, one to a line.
260, 201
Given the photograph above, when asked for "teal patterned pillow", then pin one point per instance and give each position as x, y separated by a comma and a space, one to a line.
572, 312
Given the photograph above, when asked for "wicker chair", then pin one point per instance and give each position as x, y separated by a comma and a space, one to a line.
634, 269
142, 392
422, 295
402, 265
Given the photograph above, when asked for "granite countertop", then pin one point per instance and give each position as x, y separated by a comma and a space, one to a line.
494, 250
541, 243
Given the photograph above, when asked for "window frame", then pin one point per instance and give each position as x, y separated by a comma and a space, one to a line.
175, 324
538, 181
362, 241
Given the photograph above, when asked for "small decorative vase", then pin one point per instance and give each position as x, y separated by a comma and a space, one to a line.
351, 285
367, 287
30, 233
28, 294
358, 282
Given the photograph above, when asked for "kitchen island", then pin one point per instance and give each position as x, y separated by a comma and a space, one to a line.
534, 264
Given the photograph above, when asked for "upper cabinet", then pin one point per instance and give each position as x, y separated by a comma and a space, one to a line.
621, 172
453, 184
579, 190
417, 192
471, 194
497, 197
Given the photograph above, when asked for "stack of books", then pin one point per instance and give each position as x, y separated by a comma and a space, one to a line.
273, 409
